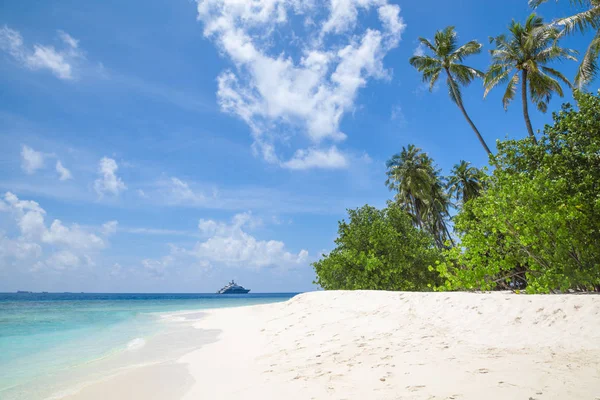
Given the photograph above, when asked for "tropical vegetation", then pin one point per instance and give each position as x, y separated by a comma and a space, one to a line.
530, 221
521, 57
419, 189
379, 250
582, 22
447, 58
537, 224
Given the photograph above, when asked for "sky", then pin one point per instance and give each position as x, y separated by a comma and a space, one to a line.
171, 146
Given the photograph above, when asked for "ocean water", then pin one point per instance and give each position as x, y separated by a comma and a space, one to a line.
47, 339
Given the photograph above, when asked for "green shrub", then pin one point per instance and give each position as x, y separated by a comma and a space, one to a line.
379, 250
537, 226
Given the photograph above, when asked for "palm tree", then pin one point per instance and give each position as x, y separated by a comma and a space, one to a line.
526, 51
420, 191
447, 58
409, 175
465, 182
582, 22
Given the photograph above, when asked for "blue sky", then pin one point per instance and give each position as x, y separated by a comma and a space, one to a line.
169, 146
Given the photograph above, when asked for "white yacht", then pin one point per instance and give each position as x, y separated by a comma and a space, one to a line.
233, 288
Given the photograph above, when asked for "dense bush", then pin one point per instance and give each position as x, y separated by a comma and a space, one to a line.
379, 250
537, 226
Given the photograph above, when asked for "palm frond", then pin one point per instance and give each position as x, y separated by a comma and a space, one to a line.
589, 68
541, 88
497, 74
465, 75
467, 49
581, 22
434, 78
558, 75
511, 90
422, 63
427, 44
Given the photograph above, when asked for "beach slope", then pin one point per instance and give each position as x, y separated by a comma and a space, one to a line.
390, 345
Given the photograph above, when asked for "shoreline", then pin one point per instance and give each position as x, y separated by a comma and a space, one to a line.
382, 345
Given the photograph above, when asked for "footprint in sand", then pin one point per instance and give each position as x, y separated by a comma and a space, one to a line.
415, 388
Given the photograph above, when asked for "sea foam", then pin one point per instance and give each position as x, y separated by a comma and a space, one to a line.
136, 344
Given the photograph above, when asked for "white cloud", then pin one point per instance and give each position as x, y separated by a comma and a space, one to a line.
157, 231
109, 227
315, 158
19, 249
108, 182
73, 237
158, 268
31, 160
61, 62
64, 173
419, 50
275, 92
178, 192
182, 193
62, 260
71, 245
68, 39
229, 244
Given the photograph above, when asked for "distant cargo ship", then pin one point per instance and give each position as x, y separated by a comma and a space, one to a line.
233, 288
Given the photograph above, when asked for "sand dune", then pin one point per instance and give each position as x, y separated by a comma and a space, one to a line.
383, 345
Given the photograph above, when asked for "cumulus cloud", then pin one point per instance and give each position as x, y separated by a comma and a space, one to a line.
230, 244
61, 62
108, 182
31, 160
308, 89
63, 173
69, 245
19, 249
315, 158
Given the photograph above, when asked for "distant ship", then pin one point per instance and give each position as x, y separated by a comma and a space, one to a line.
233, 288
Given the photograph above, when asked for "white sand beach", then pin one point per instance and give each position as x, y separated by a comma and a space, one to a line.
386, 345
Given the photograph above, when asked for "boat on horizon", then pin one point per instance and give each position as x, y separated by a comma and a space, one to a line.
233, 288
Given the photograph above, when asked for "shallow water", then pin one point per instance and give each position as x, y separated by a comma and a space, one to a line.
49, 341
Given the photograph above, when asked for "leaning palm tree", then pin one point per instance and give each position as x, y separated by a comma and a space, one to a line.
465, 182
584, 21
409, 175
420, 191
524, 54
447, 58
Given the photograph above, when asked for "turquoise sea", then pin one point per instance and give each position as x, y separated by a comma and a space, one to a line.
45, 337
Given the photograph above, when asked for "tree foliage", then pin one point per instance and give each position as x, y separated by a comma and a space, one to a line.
521, 57
465, 182
420, 191
537, 226
584, 21
378, 250
447, 59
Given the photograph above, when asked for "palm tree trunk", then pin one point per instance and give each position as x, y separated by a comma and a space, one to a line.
462, 108
525, 106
